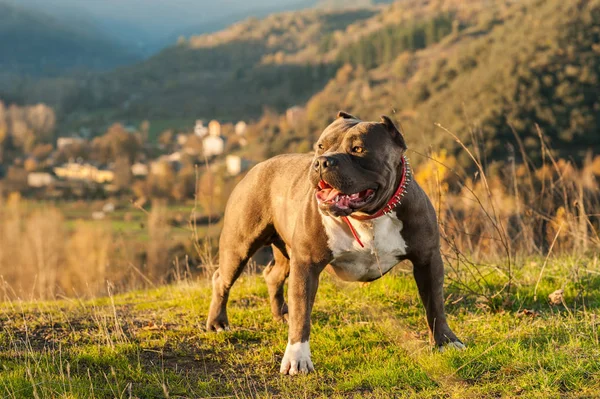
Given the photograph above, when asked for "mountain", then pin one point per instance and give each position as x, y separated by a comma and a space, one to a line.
35, 44
236, 73
481, 68
151, 25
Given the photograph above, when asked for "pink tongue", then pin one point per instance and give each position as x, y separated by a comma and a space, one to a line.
327, 194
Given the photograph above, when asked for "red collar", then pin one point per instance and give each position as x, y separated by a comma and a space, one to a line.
393, 202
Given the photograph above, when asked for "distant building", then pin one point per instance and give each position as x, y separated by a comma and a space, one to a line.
200, 129
236, 165
84, 172
139, 169
295, 115
39, 179
64, 142
240, 128
213, 145
214, 128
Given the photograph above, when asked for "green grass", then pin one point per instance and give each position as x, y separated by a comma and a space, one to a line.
367, 341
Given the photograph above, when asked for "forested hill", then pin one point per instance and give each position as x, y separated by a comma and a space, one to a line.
236, 73
515, 65
35, 44
472, 66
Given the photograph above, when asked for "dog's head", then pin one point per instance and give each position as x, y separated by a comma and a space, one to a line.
356, 165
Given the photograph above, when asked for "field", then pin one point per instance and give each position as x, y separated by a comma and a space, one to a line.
367, 341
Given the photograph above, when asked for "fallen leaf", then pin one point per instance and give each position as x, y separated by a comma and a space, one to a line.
556, 298
527, 313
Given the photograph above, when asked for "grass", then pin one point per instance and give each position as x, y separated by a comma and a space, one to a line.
367, 341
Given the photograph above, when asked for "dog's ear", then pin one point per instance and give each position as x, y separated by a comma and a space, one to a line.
391, 128
345, 115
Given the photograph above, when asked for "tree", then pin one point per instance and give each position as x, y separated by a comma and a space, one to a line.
41, 120
3, 135
145, 130
116, 143
122, 170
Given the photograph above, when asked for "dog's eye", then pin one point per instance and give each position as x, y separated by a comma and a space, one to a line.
358, 149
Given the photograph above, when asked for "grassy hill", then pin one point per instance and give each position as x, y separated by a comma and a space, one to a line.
367, 341
34, 44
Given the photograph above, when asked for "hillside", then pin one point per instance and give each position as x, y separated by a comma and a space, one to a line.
35, 44
236, 73
533, 62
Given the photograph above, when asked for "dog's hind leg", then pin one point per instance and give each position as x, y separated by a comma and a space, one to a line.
275, 276
234, 252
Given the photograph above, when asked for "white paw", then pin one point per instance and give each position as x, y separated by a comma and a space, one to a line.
452, 345
296, 359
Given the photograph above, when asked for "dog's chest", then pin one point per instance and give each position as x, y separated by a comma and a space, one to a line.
382, 240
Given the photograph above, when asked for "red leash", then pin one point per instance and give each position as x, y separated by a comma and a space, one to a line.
354, 233
389, 206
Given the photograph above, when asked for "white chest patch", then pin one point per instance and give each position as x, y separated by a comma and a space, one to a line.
382, 240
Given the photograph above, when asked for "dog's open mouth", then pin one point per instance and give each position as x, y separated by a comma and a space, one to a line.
331, 196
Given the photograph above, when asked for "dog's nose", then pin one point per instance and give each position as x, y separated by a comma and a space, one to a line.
322, 163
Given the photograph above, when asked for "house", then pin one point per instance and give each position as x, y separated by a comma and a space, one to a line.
64, 142
200, 130
295, 115
240, 128
84, 172
213, 145
214, 128
139, 169
39, 179
236, 165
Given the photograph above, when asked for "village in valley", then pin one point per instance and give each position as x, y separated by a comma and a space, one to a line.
212, 145
126, 164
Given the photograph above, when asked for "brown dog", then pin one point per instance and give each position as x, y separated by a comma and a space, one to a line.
352, 207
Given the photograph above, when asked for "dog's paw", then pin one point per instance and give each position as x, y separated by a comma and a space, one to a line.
217, 325
281, 315
296, 359
457, 345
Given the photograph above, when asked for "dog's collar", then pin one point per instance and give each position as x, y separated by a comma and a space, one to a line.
393, 202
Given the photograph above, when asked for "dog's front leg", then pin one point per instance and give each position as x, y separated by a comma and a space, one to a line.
302, 288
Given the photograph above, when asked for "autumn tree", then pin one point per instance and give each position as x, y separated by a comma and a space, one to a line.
122, 170
115, 143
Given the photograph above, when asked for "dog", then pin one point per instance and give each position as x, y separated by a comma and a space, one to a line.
352, 209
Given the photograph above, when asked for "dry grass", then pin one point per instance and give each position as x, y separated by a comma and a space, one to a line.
496, 217
44, 256
502, 214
